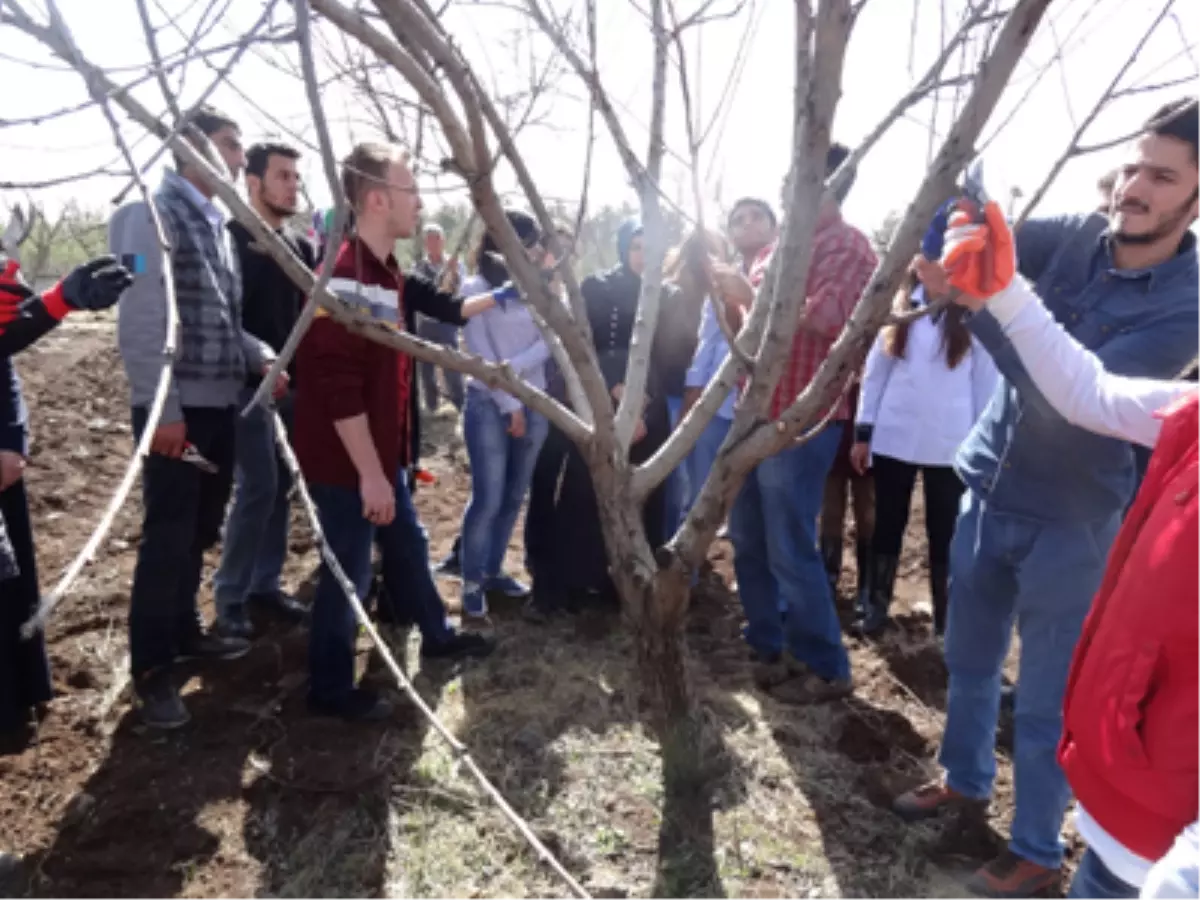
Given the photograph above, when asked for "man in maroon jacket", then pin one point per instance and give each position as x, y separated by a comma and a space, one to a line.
354, 423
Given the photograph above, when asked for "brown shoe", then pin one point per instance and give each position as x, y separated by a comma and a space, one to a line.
930, 800
1009, 875
812, 689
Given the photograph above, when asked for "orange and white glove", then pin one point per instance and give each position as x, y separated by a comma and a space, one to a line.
980, 258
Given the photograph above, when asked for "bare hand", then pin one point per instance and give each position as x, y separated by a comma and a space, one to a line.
860, 457
12, 468
516, 424
281, 385
379, 500
169, 440
730, 285
639, 431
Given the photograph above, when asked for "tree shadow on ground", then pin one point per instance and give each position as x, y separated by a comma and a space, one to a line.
162, 806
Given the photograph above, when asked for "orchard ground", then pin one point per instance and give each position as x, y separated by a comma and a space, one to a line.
257, 798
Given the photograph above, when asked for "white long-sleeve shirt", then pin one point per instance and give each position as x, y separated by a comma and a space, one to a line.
1072, 378
920, 408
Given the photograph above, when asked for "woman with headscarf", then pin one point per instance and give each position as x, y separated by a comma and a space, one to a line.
565, 552
503, 437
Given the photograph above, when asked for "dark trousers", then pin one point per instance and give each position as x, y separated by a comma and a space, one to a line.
183, 511
409, 592
860, 490
24, 671
894, 482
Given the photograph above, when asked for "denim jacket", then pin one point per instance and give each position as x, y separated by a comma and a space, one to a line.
1022, 457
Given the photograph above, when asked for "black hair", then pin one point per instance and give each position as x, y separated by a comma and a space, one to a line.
1177, 120
755, 202
207, 120
258, 157
838, 154
487, 255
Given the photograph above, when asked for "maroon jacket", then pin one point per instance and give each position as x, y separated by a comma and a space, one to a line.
341, 375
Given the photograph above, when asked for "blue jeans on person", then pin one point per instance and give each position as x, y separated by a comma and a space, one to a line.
1093, 881
677, 493
256, 532
406, 574
407, 579
704, 455
501, 469
333, 627
773, 526
446, 334
1042, 575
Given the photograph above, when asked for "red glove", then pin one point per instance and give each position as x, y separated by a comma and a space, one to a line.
980, 257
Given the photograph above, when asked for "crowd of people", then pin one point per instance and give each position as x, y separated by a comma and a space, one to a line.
1045, 357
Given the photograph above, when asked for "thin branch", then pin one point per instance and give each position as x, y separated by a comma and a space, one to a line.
156, 60
308, 67
48, 603
1105, 98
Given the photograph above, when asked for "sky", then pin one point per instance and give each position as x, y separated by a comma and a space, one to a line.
748, 149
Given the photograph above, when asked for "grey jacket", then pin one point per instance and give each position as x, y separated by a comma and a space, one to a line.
214, 354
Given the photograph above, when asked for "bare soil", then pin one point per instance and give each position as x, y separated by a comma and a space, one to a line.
257, 798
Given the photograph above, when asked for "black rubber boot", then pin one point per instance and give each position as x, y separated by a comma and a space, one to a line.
874, 601
939, 583
831, 554
862, 560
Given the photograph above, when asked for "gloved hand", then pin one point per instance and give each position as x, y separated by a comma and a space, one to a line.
1176, 876
980, 258
506, 292
95, 285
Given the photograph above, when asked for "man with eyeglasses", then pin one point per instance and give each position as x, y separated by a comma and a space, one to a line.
356, 434
187, 476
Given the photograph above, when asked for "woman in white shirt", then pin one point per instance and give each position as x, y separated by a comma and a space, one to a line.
924, 386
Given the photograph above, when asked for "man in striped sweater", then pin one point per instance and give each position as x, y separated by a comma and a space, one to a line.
356, 427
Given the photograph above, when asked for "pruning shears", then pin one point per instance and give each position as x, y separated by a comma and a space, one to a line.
972, 202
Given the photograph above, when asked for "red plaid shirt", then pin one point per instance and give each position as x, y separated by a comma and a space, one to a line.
842, 264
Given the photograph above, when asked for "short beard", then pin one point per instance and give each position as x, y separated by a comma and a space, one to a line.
1166, 229
282, 212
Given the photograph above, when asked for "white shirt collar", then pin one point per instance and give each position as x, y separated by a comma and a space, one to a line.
211, 211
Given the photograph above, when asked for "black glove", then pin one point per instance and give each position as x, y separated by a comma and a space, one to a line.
97, 284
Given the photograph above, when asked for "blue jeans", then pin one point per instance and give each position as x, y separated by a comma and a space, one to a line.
677, 493
501, 469
1093, 881
445, 334
333, 629
256, 532
407, 579
1043, 576
704, 455
773, 526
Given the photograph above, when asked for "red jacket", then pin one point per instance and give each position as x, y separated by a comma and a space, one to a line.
1129, 745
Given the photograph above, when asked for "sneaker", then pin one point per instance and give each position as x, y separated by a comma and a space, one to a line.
234, 623
930, 800
1010, 875
160, 704
506, 585
812, 689
281, 604
359, 705
213, 646
460, 645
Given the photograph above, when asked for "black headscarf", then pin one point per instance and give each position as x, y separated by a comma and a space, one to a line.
491, 261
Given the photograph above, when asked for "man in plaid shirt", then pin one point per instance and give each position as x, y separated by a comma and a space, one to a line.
781, 577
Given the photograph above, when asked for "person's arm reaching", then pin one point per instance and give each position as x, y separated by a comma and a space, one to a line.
1071, 378
423, 297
